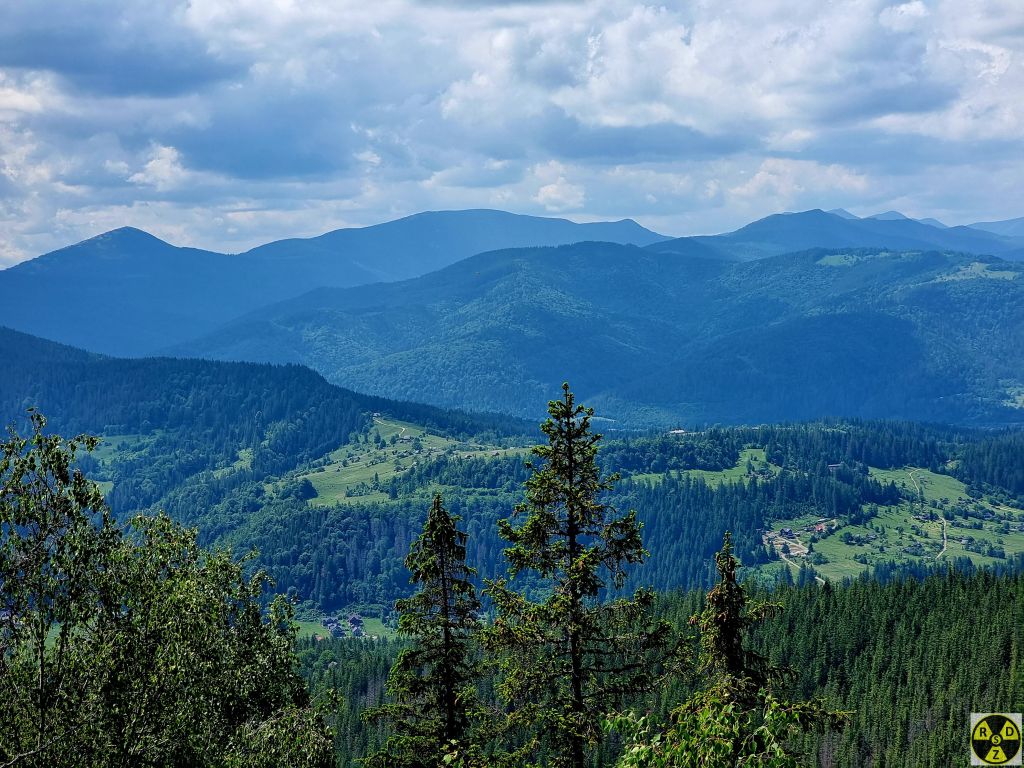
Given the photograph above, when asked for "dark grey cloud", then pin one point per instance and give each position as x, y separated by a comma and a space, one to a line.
904, 154
565, 136
858, 102
263, 136
122, 48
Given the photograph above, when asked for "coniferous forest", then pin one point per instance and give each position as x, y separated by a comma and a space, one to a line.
541, 604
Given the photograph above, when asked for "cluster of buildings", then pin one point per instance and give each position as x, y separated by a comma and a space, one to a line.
338, 627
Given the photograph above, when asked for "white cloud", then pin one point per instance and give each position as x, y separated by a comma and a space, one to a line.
368, 156
163, 170
785, 181
903, 17
557, 194
225, 122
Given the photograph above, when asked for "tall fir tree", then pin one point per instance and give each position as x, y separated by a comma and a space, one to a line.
432, 684
568, 658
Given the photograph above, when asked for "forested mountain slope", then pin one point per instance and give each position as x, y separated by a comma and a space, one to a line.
659, 338
201, 428
331, 486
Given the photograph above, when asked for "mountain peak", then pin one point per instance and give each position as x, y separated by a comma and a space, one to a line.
889, 216
122, 237
842, 213
124, 233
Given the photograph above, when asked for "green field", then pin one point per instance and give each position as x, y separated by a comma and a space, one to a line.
977, 270
244, 461
373, 627
898, 533
127, 446
112, 446
360, 472
933, 486
755, 456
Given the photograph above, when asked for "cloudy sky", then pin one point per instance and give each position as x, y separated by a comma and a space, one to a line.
227, 123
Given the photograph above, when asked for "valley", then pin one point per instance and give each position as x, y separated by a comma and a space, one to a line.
936, 521
328, 489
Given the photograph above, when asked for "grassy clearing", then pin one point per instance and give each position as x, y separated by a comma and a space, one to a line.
1014, 395
360, 472
374, 629
849, 259
111, 446
243, 462
933, 486
838, 260
976, 270
754, 456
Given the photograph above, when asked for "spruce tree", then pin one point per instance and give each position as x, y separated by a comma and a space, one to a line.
432, 684
737, 719
568, 658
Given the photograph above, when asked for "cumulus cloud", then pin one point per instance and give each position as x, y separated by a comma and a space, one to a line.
111, 46
163, 170
785, 180
224, 123
556, 193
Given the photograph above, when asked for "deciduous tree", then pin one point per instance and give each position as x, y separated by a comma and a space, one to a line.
134, 647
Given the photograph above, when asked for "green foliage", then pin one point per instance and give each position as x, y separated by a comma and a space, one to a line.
568, 657
737, 719
52, 562
712, 731
136, 647
188, 442
432, 684
351, 555
724, 623
909, 648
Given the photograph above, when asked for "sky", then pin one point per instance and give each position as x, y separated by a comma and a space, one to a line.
224, 124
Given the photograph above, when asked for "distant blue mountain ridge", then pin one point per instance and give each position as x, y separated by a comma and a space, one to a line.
126, 292
790, 232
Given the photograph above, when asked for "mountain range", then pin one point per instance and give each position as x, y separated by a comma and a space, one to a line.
788, 232
653, 338
127, 292
793, 316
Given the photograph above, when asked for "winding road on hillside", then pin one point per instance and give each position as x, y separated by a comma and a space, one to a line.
379, 420
795, 542
945, 541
